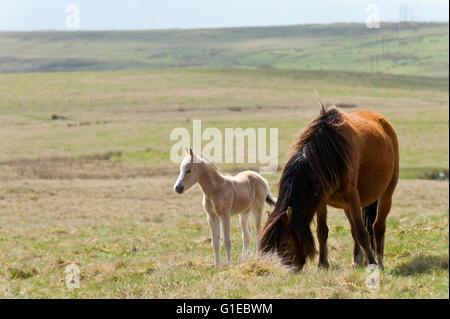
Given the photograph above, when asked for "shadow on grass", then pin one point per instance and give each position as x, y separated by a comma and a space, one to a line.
422, 265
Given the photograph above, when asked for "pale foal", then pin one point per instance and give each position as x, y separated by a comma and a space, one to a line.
224, 196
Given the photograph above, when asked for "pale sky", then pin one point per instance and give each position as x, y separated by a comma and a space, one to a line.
189, 14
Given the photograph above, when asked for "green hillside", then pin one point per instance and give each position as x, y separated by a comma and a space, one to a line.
407, 48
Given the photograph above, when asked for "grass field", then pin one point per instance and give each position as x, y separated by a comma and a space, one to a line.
402, 48
86, 176
132, 113
95, 188
135, 238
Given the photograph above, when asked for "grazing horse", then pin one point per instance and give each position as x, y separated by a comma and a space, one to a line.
224, 196
344, 160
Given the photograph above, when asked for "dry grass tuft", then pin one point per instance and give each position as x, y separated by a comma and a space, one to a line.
22, 272
255, 265
195, 264
58, 117
345, 105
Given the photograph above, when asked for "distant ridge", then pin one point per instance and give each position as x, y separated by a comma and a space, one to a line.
407, 48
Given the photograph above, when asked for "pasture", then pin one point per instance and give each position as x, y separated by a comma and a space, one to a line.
94, 185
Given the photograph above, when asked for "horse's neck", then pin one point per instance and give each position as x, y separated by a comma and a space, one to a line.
210, 180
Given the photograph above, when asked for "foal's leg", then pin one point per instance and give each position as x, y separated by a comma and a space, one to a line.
357, 225
214, 224
322, 235
243, 219
257, 211
226, 230
358, 255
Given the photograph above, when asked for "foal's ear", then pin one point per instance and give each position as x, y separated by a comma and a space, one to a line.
190, 152
195, 158
287, 217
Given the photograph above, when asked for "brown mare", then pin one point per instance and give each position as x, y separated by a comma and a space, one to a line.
345, 160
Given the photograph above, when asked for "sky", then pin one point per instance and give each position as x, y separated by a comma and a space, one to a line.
27, 15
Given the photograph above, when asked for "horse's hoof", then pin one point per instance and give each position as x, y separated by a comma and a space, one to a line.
359, 261
324, 265
357, 265
380, 262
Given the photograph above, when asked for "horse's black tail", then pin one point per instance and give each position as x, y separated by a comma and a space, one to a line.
369, 215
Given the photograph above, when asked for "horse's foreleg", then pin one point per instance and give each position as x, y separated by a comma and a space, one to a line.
358, 255
243, 219
322, 236
226, 230
357, 225
214, 224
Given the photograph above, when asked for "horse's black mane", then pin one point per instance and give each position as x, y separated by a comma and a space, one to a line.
320, 157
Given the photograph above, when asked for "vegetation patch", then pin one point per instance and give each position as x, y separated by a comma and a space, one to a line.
23, 272
436, 174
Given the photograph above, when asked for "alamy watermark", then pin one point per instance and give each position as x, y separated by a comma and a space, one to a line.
220, 147
72, 272
373, 279
373, 16
73, 16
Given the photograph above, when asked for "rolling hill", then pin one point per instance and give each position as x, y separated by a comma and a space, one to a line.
405, 48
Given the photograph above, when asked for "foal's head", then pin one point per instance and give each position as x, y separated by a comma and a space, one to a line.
190, 171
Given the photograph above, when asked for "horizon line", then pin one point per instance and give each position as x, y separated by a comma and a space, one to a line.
219, 28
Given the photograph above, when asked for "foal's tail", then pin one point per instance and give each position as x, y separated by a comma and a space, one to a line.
369, 215
270, 199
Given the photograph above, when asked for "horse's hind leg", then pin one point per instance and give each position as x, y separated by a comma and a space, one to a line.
379, 226
243, 219
383, 209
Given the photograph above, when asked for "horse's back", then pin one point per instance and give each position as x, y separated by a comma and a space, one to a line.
378, 156
374, 122
375, 132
